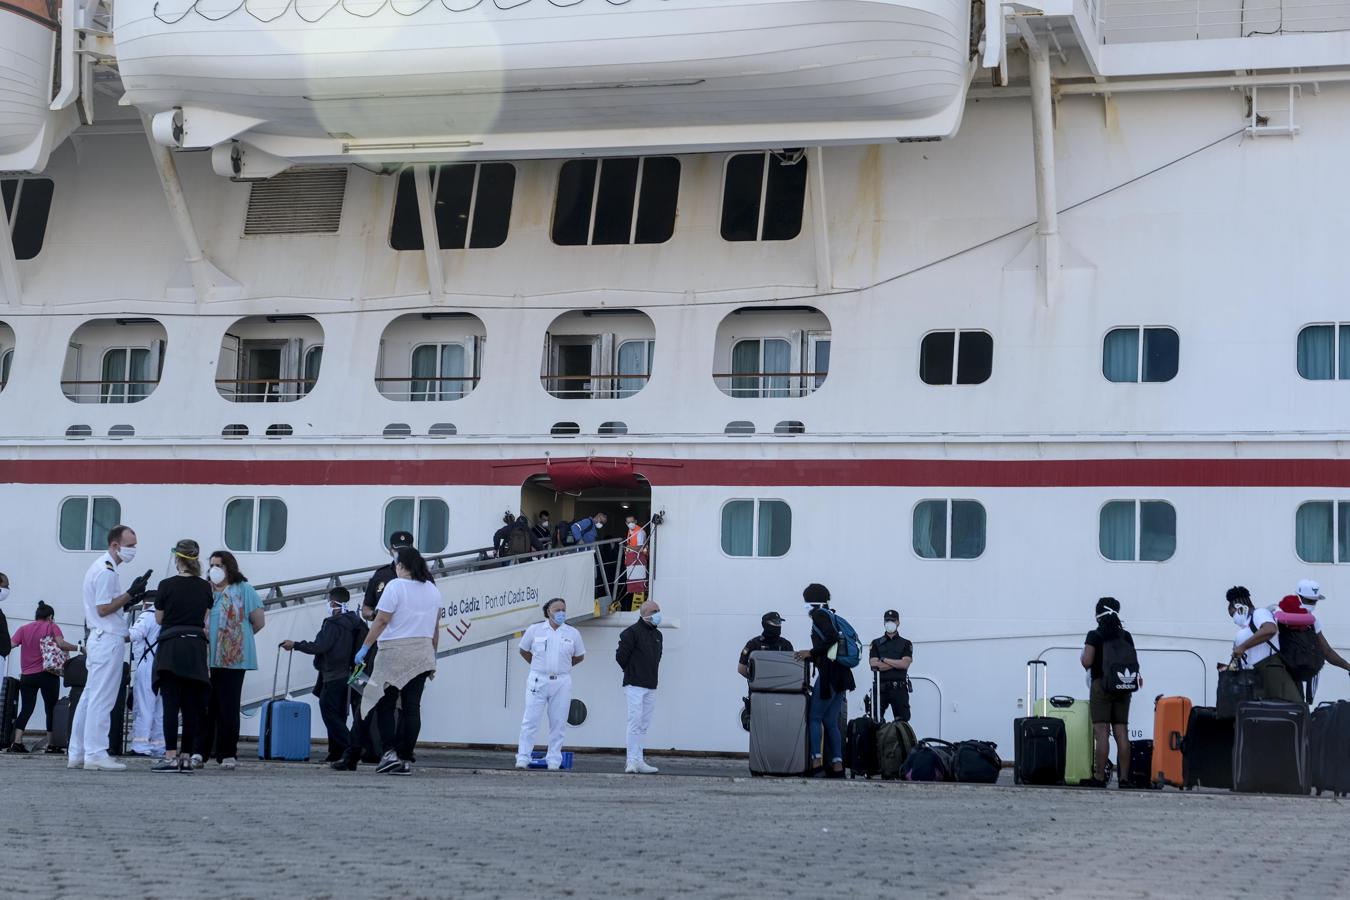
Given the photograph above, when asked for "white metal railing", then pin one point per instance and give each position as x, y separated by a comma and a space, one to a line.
1138, 21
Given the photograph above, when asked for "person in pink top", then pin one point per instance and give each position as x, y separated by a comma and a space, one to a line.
35, 676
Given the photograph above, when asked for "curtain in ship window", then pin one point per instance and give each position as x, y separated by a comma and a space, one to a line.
775, 528
1120, 355
1343, 532
433, 526
745, 362
452, 370
1115, 535
398, 516
113, 388
271, 525
1345, 353
107, 513
1317, 352
423, 371
1157, 531
138, 376
777, 358
1313, 528
738, 528
821, 363
239, 524
930, 529
6, 361
634, 365
1162, 354
313, 362
968, 526
74, 514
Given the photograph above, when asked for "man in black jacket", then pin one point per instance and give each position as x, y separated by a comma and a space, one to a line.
342, 632
639, 655
771, 638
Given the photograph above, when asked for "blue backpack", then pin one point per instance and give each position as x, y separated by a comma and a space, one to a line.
850, 647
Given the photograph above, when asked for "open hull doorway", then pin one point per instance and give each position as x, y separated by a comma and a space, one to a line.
625, 579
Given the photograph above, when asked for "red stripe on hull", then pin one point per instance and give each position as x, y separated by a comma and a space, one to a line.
1330, 473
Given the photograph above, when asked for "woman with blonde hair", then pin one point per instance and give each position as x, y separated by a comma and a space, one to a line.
181, 677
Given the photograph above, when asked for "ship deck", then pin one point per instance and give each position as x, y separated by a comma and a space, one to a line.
466, 826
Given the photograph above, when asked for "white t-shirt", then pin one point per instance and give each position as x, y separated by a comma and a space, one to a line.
101, 584
414, 608
551, 649
1260, 618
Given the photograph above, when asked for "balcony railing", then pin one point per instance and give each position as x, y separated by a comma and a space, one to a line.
264, 390
594, 387
1138, 21
99, 391
428, 388
769, 384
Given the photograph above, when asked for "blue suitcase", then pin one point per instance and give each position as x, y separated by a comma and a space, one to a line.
284, 733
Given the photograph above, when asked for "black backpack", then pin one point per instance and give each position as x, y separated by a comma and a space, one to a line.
976, 761
1120, 665
1302, 652
518, 541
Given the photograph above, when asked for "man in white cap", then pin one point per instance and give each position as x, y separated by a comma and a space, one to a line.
1310, 594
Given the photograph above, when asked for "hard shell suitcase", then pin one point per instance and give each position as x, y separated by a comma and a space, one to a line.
9, 710
1078, 760
778, 671
1270, 747
284, 730
778, 734
1207, 750
1171, 717
59, 728
860, 739
1329, 747
117, 721
1038, 741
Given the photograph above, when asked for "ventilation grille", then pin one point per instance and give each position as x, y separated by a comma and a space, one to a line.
303, 200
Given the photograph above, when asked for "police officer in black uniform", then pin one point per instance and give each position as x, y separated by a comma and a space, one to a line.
890, 657
770, 639
363, 730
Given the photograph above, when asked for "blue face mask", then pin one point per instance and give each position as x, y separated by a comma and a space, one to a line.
655, 619
559, 617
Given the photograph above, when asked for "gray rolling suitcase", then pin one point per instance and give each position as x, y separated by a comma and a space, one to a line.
779, 672
778, 733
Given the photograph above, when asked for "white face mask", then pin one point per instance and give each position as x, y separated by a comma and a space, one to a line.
892, 627
4, 594
216, 574
127, 554
1240, 615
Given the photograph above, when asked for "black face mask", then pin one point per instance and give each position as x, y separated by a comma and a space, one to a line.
773, 631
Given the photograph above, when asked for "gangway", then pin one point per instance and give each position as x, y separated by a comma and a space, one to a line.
488, 599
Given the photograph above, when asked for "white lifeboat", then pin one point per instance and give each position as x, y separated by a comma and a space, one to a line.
29, 129
402, 80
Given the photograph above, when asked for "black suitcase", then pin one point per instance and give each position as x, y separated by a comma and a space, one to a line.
1329, 748
1270, 747
860, 740
1207, 750
1039, 742
9, 710
60, 725
1141, 765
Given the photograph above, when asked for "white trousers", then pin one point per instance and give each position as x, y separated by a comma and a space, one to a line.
93, 716
147, 729
551, 694
640, 703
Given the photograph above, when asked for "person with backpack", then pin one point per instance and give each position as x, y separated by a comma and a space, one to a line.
587, 531
519, 541
890, 657
1256, 645
835, 650
541, 535
502, 536
1109, 655
1309, 593
334, 649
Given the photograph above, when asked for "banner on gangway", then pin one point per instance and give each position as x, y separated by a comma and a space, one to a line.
490, 604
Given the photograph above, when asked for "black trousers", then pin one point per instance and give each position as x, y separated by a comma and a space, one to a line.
186, 696
334, 706
895, 695
402, 738
29, 686
219, 734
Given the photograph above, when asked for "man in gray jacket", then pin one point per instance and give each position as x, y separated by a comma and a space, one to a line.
342, 632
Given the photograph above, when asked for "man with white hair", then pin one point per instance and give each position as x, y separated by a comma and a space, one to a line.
1310, 594
639, 654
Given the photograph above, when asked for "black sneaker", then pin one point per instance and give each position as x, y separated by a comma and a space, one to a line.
388, 763
165, 765
17, 747
343, 765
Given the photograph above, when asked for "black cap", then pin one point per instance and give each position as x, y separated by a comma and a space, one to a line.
891, 616
400, 539
771, 618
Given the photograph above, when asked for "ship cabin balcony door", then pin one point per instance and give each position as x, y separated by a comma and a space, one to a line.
267, 371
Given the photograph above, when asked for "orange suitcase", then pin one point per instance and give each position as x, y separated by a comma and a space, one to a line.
1170, 716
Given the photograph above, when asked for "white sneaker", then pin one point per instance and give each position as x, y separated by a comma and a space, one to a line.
643, 769
197, 761
553, 767
75, 763
521, 764
104, 763
229, 763
631, 768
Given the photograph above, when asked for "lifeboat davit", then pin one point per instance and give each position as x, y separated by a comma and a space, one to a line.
399, 80
29, 129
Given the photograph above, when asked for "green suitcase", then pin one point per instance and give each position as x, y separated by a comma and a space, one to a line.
1078, 757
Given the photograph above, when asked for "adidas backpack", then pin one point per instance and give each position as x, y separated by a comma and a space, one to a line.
1120, 666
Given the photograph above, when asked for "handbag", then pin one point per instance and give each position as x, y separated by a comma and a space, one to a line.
1237, 686
53, 657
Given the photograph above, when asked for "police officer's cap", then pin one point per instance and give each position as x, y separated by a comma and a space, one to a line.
400, 539
891, 616
771, 618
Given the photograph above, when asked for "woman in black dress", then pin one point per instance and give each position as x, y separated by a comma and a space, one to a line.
181, 676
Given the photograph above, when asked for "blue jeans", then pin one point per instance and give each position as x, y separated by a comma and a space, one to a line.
826, 712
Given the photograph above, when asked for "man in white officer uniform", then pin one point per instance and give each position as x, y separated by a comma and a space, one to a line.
105, 606
552, 648
147, 729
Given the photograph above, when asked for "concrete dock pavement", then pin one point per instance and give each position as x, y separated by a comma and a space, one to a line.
466, 824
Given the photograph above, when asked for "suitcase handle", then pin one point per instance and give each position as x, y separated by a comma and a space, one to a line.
1174, 740
1031, 681
276, 670
1061, 701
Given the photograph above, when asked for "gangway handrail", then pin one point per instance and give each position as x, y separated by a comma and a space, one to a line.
1204, 667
